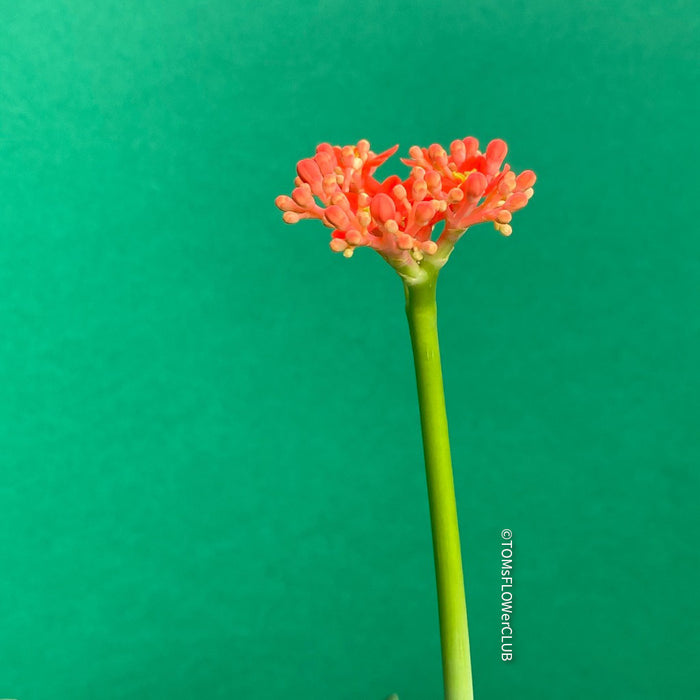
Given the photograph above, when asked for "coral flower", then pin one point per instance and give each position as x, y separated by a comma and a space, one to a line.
398, 217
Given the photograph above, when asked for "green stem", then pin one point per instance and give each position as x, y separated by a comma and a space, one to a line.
421, 309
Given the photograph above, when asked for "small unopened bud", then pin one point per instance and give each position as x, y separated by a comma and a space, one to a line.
382, 207
309, 171
504, 216
429, 247
434, 181
455, 194
303, 197
353, 236
495, 153
419, 190
404, 241
526, 179
347, 155
424, 212
399, 192
391, 226
475, 185
364, 219
505, 229
516, 201
326, 162
471, 146
458, 152
339, 198
337, 217
285, 203
338, 245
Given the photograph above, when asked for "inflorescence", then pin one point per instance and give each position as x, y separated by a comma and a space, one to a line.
397, 217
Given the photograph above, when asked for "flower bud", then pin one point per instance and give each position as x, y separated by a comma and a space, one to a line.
309, 171
424, 212
337, 217
475, 185
382, 207
526, 179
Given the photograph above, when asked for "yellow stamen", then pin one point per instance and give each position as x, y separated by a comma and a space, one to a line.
462, 176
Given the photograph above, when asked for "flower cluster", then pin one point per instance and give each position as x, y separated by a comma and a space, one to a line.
396, 217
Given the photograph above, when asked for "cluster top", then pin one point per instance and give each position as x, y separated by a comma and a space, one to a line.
397, 217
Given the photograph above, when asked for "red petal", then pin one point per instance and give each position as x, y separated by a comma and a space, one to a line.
380, 158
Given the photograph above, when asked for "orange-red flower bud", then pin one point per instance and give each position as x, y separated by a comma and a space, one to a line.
475, 185
309, 171
526, 179
382, 207
424, 213
496, 153
516, 201
337, 217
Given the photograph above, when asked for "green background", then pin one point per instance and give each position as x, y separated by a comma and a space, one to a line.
211, 478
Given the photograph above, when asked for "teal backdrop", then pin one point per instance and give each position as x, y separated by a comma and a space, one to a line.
212, 481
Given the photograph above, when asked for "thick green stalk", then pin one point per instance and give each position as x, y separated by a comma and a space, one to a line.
421, 309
